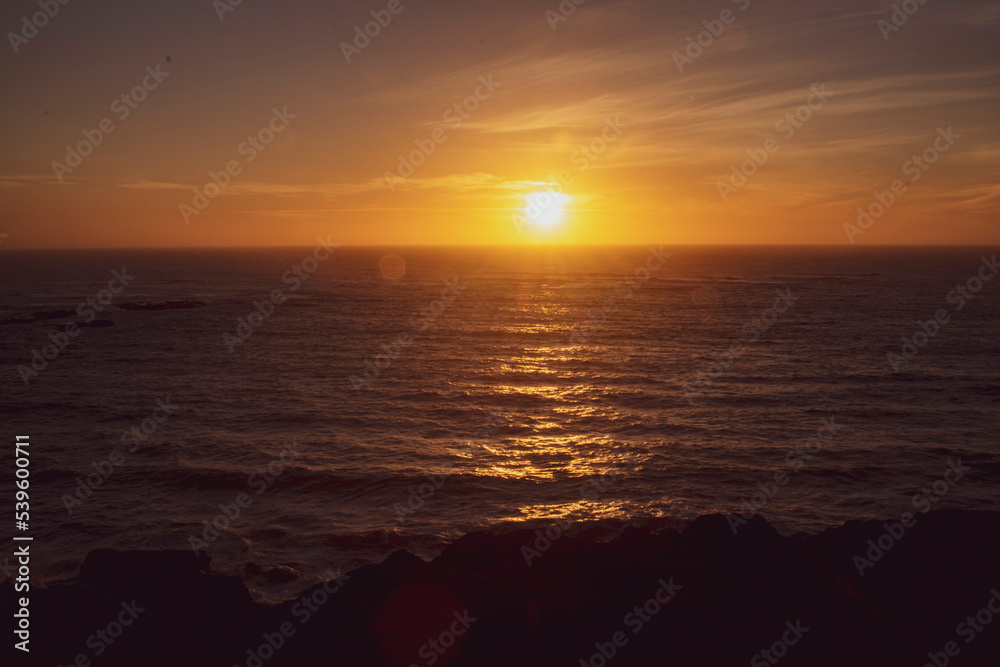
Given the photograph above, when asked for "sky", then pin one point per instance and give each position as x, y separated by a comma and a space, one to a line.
631, 122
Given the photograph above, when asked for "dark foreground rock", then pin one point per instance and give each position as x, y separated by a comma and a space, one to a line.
703, 596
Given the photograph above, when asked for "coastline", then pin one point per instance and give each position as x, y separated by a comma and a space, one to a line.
702, 595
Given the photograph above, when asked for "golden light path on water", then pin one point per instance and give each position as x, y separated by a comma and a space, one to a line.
548, 454
553, 436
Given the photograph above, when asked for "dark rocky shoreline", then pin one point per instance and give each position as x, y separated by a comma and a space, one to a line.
701, 596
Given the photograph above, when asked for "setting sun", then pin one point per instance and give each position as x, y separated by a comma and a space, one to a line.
546, 209
705, 288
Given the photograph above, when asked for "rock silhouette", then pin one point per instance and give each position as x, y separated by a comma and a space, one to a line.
800, 598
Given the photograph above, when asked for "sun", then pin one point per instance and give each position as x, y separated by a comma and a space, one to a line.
546, 209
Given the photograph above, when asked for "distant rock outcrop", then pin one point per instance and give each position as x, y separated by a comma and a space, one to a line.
52, 314
160, 305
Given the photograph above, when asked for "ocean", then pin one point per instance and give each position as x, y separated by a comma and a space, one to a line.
315, 409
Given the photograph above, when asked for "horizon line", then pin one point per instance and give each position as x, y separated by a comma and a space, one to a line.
511, 245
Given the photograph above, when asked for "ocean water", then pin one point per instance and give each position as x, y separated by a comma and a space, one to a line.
430, 392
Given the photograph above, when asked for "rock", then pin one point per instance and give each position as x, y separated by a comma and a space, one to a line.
107, 565
161, 305
702, 596
278, 574
52, 315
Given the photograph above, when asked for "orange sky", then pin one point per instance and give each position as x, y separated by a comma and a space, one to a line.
606, 76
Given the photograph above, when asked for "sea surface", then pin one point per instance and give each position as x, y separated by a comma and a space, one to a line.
603, 386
